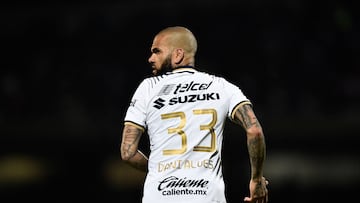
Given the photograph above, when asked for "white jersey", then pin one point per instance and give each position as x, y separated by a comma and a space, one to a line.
184, 113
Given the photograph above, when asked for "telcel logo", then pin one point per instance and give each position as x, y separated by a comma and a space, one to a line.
192, 86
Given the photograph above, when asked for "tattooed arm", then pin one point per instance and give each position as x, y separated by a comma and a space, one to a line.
129, 148
245, 116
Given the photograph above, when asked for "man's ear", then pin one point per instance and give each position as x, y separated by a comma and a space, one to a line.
178, 55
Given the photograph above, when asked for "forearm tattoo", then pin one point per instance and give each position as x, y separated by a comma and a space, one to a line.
256, 143
256, 148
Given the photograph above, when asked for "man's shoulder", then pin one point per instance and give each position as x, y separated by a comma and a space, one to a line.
151, 82
154, 79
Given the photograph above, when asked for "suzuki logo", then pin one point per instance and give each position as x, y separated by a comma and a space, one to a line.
159, 103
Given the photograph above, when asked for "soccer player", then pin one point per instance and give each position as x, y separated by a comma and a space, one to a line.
183, 111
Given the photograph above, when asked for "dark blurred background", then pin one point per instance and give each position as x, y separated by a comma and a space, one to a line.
68, 71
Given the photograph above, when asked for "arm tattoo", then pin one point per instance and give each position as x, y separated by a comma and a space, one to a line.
255, 142
256, 148
129, 148
130, 141
246, 117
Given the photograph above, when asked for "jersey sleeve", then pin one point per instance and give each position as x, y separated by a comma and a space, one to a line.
136, 112
236, 98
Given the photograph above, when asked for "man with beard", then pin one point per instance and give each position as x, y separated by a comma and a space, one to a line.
183, 111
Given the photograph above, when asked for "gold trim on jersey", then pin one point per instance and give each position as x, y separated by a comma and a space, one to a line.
135, 125
238, 106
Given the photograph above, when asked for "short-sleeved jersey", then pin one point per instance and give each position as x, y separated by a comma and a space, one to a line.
184, 113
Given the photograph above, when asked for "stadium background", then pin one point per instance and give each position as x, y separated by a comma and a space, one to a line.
69, 69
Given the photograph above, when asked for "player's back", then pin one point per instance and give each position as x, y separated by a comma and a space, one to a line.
185, 112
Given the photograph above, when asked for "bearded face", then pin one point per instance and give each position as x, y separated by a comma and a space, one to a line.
165, 66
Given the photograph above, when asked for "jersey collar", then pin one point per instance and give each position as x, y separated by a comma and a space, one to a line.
184, 68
